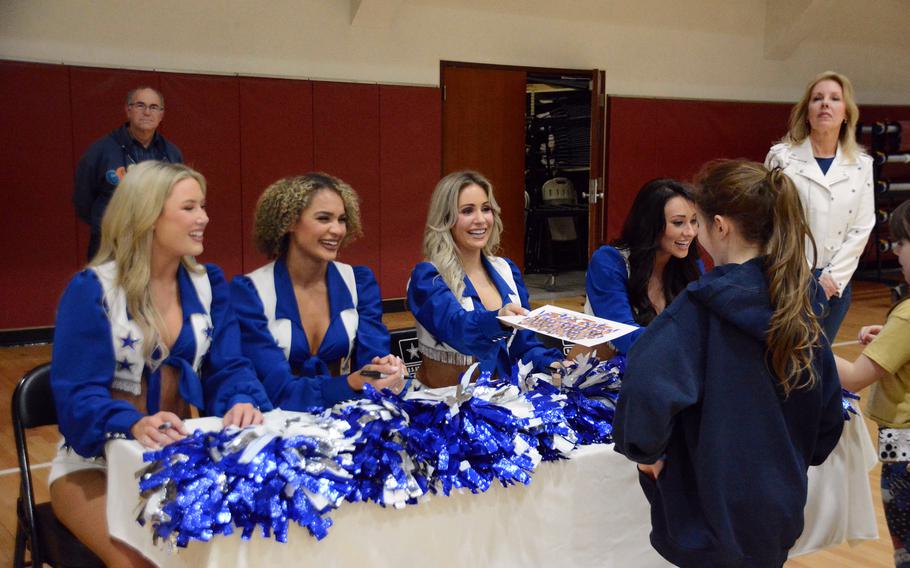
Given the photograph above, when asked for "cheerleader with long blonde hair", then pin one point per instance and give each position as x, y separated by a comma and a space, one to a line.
461, 288
142, 335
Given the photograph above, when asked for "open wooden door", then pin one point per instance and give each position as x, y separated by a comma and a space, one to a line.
483, 129
597, 185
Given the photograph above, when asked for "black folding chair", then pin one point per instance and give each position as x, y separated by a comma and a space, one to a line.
38, 528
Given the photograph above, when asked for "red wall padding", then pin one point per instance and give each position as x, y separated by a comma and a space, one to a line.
244, 133
98, 100
38, 225
276, 141
410, 147
203, 114
346, 135
652, 138
874, 113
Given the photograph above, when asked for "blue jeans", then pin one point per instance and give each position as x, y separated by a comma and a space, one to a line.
836, 312
896, 501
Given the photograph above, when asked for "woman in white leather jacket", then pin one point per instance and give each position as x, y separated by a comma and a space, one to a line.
834, 178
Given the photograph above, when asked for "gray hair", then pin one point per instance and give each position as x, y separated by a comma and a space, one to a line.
132, 94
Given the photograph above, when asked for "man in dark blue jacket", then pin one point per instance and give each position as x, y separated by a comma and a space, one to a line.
105, 162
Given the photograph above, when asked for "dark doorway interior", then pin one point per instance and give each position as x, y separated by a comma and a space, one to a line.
557, 171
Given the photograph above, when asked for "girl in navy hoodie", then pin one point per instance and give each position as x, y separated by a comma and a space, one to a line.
732, 392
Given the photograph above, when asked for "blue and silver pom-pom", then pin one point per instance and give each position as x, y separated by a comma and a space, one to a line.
263, 476
847, 406
386, 448
547, 424
591, 388
382, 470
470, 435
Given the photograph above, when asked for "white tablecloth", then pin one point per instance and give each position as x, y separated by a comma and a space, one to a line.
587, 511
839, 506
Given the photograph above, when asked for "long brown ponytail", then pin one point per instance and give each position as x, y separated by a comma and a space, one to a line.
765, 207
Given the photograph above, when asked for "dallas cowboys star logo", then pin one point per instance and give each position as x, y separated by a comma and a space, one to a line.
124, 365
209, 331
129, 341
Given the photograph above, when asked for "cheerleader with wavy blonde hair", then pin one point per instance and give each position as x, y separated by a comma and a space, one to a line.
142, 335
461, 288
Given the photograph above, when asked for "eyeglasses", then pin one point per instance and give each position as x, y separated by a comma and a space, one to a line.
142, 107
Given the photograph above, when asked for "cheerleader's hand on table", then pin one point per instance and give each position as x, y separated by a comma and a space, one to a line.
390, 360
398, 375
382, 373
242, 414
158, 430
558, 367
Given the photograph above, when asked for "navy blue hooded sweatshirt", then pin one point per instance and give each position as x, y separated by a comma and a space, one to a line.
698, 392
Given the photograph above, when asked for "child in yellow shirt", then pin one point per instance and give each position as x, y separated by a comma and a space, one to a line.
885, 363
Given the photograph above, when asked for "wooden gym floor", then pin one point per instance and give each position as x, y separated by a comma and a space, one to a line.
870, 304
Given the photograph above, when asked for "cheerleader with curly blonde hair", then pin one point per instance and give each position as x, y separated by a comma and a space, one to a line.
312, 325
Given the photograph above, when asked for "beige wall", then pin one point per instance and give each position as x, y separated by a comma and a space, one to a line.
713, 49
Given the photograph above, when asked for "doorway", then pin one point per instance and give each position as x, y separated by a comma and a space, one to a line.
557, 172
538, 135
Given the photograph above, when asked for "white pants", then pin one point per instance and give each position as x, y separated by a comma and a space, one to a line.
67, 461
